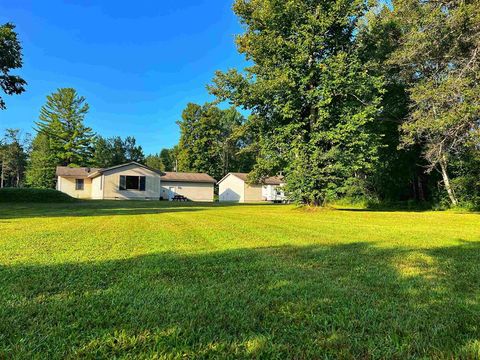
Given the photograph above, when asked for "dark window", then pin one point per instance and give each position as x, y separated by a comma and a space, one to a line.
79, 184
132, 182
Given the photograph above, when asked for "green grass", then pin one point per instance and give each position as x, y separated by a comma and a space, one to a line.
160, 280
22, 195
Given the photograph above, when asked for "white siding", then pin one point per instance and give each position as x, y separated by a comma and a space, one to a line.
231, 189
191, 190
97, 188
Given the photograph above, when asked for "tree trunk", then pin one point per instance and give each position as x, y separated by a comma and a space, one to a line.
446, 181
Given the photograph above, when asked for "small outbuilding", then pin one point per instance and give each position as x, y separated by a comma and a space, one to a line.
234, 188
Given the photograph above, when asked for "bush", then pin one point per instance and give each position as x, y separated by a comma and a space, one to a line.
33, 195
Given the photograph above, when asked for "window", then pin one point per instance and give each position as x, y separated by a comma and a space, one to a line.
79, 184
132, 182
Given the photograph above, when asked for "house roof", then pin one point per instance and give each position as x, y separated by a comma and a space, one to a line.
272, 180
101, 171
187, 177
165, 176
81, 172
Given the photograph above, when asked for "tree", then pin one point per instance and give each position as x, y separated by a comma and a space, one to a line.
399, 173
13, 158
10, 58
132, 151
102, 152
438, 55
118, 151
155, 162
42, 164
313, 101
115, 151
61, 119
169, 158
209, 140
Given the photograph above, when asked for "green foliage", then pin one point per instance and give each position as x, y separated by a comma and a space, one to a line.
61, 120
115, 151
314, 102
28, 195
13, 158
211, 141
10, 58
41, 167
155, 162
438, 59
133, 152
399, 173
169, 158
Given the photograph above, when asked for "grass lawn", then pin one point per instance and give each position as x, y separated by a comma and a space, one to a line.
151, 279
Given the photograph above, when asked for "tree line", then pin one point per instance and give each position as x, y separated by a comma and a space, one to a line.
209, 143
345, 98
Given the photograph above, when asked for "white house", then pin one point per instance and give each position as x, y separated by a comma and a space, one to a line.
133, 181
234, 187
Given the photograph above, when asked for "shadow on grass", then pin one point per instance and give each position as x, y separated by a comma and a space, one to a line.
107, 208
348, 301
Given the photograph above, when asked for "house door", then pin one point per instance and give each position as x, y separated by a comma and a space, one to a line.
171, 193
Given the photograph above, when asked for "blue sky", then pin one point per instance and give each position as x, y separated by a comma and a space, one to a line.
138, 63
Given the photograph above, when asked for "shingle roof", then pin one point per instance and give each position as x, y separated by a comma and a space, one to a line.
101, 171
272, 180
75, 172
187, 177
165, 176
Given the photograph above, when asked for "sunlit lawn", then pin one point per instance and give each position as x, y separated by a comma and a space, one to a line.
152, 279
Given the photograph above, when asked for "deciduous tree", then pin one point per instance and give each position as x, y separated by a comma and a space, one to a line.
313, 100
10, 58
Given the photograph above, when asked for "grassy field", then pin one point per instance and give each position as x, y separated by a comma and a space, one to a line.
158, 280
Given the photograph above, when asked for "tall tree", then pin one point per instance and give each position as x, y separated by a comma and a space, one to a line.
41, 166
439, 58
10, 58
133, 152
115, 151
13, 158
313, 101
118, 151
102, 152
399, 174
155, 162
169, 158
209, 140
62, 120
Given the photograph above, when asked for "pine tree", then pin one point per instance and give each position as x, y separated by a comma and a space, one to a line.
41, 167
61, 120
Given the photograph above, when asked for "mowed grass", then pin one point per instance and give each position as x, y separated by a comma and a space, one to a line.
160, 280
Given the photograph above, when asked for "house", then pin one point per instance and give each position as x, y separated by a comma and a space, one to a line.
234, 187
132, 181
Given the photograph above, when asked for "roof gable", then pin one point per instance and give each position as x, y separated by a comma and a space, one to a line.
272, 180
116, 167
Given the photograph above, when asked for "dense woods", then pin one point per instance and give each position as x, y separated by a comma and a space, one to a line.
346, 99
